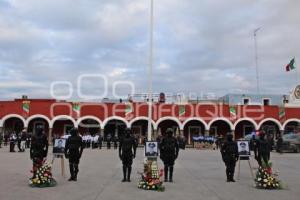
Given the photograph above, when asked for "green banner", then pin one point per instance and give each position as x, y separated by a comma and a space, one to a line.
128, 108
181, 110
26, 106
76, 108
232, 111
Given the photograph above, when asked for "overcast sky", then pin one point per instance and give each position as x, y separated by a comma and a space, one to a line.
200, 46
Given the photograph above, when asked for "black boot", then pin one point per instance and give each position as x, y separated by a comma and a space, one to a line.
129, 173
71, 172
171, 174
124, 173
228, 175
76, 170
166, 173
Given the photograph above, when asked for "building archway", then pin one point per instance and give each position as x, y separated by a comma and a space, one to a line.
163, 125
220, 127
61, 125
270, 126
139, 127
89, 124
291, 126
193, 128
243, 127
114, 128
13, 124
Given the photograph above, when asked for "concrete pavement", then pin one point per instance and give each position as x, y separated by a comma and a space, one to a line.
199, 174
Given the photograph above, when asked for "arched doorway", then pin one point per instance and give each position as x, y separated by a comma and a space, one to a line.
114, 128
243, 128
90, 126
291, 127
219, 128
61, 125
35, 123
13, 125
193, 128
271, 128
140, 129
168, 123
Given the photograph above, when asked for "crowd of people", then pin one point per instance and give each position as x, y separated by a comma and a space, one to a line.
21, 140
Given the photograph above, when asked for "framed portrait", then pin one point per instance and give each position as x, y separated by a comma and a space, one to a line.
243, 148
151, 149
59, 146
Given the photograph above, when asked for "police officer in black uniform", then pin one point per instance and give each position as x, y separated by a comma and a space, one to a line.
169, 150
262, 149
127, 151
230, 156
38, 149
73, 151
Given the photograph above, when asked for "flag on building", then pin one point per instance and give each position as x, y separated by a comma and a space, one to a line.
76, 108
26, 107
128, 108
232, 111
291, 65
281, 114
181, 110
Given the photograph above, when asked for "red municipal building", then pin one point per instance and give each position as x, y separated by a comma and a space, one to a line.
189, 119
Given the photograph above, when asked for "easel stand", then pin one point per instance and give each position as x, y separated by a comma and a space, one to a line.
250, 167
62, 163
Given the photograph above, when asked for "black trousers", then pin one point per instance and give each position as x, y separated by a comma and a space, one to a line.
73, 164
230, 168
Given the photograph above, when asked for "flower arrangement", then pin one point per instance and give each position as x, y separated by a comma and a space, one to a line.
151, 177
265, 179
43, 177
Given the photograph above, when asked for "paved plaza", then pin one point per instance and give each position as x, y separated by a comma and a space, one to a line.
199, 174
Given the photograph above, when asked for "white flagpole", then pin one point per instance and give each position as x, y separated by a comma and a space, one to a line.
256, 60
297, 72
150, 73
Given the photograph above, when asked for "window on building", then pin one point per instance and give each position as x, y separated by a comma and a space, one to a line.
246, 101
266, 102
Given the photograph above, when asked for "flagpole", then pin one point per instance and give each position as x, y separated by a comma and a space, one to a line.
256, 60
297, 72
150, 73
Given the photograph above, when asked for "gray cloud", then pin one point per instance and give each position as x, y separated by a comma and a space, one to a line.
200, 46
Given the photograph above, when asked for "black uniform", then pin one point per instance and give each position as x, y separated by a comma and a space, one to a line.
73, 151
115, 142
100, 139
262, 150
169, 150
38, 150
127, 151
1, 139
279, 145
230, 155
12, 140
108, 140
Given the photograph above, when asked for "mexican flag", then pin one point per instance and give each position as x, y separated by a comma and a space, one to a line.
181, 110
291, 65
128, 108
26, 106
76, 108
232, 111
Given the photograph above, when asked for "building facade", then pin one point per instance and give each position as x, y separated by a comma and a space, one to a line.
190, 119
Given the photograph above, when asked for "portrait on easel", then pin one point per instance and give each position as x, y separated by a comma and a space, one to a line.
151, 149
243, 148
59, 146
